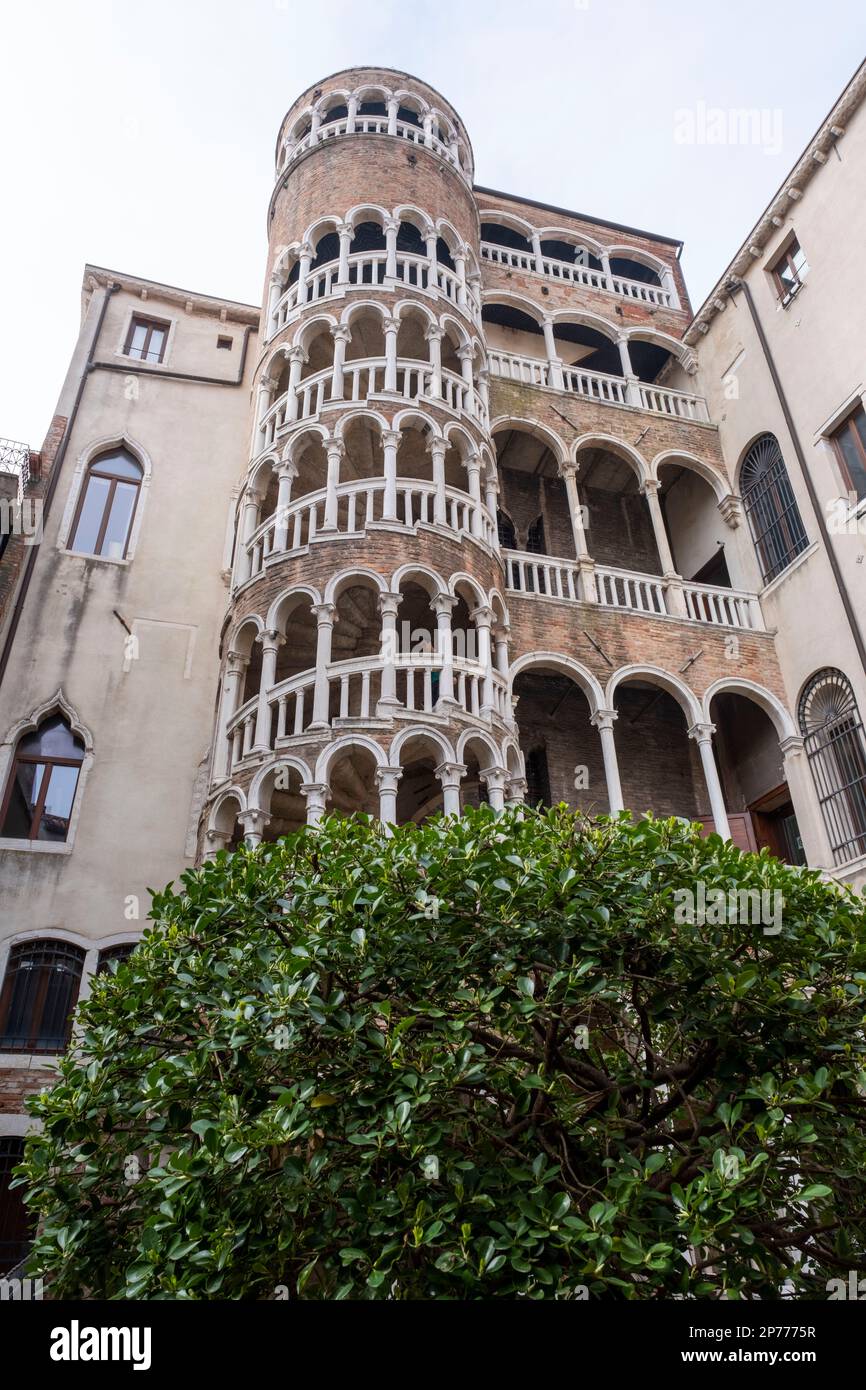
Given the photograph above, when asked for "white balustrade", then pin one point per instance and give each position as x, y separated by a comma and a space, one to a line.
365, 378
598, 386
575, 274
360, 504
373, 125
552, 577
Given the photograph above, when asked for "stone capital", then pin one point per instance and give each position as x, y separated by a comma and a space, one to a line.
325, 613
604, 718
271, 637
702, 733
341, 333
388, 777
389, 603
391, 439
450, 774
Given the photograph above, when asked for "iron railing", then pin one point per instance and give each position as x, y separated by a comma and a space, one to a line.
15, 458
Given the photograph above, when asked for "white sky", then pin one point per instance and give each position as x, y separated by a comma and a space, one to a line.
139, 135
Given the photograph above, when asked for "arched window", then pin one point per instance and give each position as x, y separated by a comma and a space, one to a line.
39, 994
505, 527
41, 787
103, 517
770, 505
118, 953
833, 733
537, 777
535, 537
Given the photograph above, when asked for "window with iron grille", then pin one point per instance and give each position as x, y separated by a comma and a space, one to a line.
535, 543
505, 528
39, 994
769, 503
118, 953
835, 745
14, 1217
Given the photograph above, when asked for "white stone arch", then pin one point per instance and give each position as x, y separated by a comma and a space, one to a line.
415, 217
514, 300
297, 124
232, 793
324, 225
286, 257
627, 453
496, 601
300, 439
457, 437
340, 581
572, 237
359, 306
704, 470
344, 744
320, 325
464, 338
260, 476
87, 456
507, 219
339, 96
541, 432
276, 613
363, 93
405, 307
413, 101
665, 680
474, 735
620, 251
414, 571
367, 212
450, 235
564, 666
759, 695
273, 363
434, 736
515, 763
413, 415
643, 333
258, 789
251, 620
360, 413
584, 318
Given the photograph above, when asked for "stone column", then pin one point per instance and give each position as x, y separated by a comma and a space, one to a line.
491, 493
554, 364
352, 108
459, 258
500, 642
393, 108
430, 239
537, 252
305, 258
249, 522
316, 794
254, 823
606, 270
267, 386
275, 294
233, 683
428, 128
466, 355
482, 617
297, 357
484, 391
433, 336
335, 450
387, 779
603, 719
703, 737
392, 328
495, 779
675, 599
473, 475
345, 233
442, 606
390, 445
392, 227
286, 473
271, 641
515, 791
450, 776
437, 449
342, 336
388, 605
575, 511
325, 615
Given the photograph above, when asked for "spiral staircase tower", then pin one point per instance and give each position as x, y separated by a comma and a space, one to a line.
365, 650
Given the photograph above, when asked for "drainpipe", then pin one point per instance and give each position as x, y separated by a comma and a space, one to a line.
733, 286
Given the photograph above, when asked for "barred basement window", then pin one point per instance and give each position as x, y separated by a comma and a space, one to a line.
118, 953
769, 503
39, 994
833, 733
14, 1217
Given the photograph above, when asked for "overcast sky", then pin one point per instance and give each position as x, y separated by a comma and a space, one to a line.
140, 136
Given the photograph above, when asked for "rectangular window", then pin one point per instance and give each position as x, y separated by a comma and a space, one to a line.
849, 441
789, 271
146, 339
225, 343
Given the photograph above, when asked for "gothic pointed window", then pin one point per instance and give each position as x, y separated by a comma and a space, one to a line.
769, 503
41, 789
106, 507
835, 746
505, 528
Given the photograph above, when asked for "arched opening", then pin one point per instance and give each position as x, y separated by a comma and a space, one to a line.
413, 456
38, 996
629, 269
836, 748
311, 462
659, 765
570, 252
356, 639
352, 783
335, 111
752, 773
319, 345
561, 749
410, 241
473, 789
246, 645
533, 496
650, 362
106, 505
771, 507
283, 802
578, 345
297, 623
229, 831
368, 338
363, 458
496, 234
418, 671
695, 527
326, 248
505, 530
419, 793
411, 342
515, 332
617, 519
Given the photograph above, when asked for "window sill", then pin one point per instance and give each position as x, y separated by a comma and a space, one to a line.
29, 1061
786, 301
99, 559
789, 569
37, 846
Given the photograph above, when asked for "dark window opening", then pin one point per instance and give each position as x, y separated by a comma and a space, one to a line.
715, 571
372, 108
568, 252
39, 994
634, 270
769, 503
336, 113
42, 784
225, 344
146, 339
443, 255
836, 748
789, 271
537, 777
409, 117
498, 235
505, 528
15, 1220
410, 240
535, 538
121, 952
849, 441
327, 249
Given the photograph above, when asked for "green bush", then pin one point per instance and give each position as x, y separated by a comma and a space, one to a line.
480, 1058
